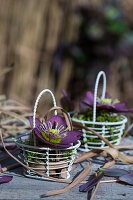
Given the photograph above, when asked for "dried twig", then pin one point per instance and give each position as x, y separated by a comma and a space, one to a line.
76, 181
94, 192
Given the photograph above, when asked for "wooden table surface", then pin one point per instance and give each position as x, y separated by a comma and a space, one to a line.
22, 188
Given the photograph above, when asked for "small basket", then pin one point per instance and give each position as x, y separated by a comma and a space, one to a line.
52, 162
103, 128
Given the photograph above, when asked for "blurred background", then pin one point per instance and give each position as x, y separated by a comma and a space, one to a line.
63, 44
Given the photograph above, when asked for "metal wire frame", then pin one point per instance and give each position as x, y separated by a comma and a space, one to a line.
43, 159
103, 128
52, 162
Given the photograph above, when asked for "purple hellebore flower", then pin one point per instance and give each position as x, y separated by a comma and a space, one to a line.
4, 178
54, 132
66, 102
103, 104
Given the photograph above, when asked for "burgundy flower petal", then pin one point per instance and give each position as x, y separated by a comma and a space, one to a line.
90, 97
113, 172
100, 105
115, 108
127, 178
5, 179
120, 105
83, 106
64, 93
53, 145
37, 121
66, 102
87, 101
72, 136
92, 181
58, 119
123, 110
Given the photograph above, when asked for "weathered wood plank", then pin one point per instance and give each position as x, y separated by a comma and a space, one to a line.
22, 188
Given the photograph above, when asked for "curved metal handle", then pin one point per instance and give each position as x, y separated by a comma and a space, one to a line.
101, 73
37, 101
66, 116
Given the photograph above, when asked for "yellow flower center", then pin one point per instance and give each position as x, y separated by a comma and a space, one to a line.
106, 101
52, 140
54, 131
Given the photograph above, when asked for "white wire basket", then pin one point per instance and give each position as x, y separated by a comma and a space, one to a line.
52, 162
110, 130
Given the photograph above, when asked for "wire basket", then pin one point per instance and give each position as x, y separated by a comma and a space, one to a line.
90, 141
52, 162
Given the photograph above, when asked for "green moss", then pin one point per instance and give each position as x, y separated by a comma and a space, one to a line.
36, 157
101, 116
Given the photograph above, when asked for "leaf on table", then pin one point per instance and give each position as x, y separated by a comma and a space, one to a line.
92, 181
76, 181
127, 178
113, 172
5, 179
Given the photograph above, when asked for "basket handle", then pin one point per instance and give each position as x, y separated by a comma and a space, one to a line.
66, 116
101, 73
37, 101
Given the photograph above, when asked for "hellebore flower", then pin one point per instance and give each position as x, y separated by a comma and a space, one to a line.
54, 132
66, 102
108, 104
4, 178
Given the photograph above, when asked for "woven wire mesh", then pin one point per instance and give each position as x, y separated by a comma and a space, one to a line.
52, 162
110, 130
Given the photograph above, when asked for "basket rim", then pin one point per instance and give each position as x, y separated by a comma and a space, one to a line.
78, 143
102, 123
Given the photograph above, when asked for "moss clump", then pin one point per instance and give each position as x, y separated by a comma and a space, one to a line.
101, 116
